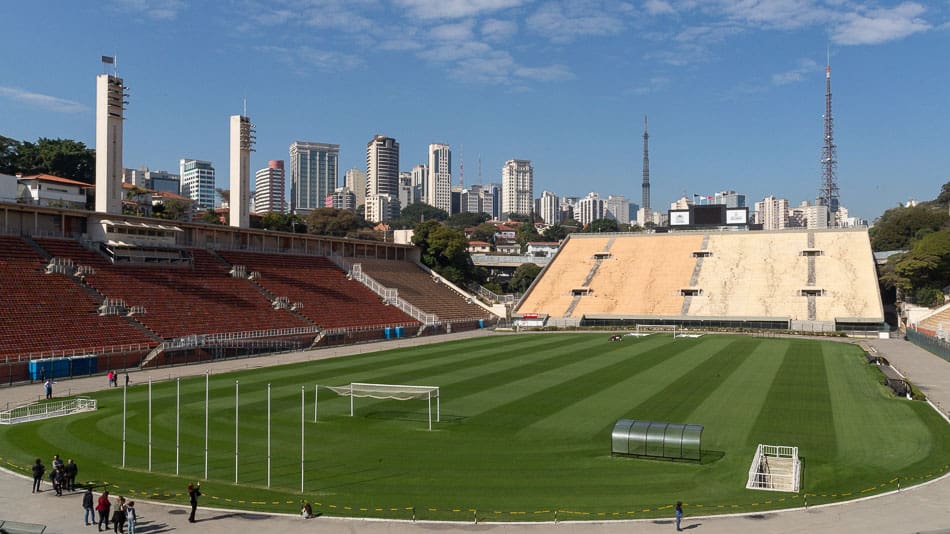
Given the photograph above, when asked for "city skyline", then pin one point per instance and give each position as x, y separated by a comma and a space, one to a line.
735, 93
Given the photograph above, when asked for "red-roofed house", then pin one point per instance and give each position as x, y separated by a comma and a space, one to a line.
479, 247
49, 190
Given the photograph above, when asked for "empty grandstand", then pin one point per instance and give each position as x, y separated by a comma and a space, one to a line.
812, 280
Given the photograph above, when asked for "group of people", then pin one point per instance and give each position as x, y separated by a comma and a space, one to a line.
62, 476
114, 379
123, 513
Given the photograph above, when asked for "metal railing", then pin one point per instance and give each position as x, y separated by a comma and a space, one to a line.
760, 472
65, 353
931, 344
45, 410
389, 295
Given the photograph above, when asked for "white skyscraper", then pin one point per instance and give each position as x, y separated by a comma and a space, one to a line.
420, 178
110, 107
314, 172
242, 142
772, 213
589, 209
438, 190
269, 188
355, 181
517, 187
382, 179
197, 182
549, 208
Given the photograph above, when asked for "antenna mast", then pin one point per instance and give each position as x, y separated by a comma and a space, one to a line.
828, 192
646, 166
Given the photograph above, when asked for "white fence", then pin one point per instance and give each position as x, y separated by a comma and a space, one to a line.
775, 468
46, 410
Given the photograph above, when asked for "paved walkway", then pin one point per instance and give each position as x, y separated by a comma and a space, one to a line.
920, 509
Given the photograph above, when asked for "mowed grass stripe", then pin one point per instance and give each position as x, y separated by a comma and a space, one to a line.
615, 401
730, 412
865, 428
675, 402
797, 410
571, 387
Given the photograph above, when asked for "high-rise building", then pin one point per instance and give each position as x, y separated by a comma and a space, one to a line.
355, 181
269, 188
589, 209
342, 199
242, 142
495, 191
477, 199
197, 182
617, 207
517, 183
438, 189
314, 171
110, 108
382, 178
549, 208
405, 189
808, 215
772, 213
155, 180
730, 198
420, 178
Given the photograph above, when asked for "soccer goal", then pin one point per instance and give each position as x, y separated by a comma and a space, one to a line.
775, 468
391, 392
647, 329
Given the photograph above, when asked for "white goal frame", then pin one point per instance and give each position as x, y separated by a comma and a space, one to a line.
46, 410
646, 329
387, 391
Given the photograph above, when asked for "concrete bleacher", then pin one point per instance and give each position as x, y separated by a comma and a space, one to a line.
51, 312
329, 299
551, 293
418, 288
799, 277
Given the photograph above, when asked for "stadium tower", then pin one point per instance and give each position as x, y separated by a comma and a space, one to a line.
828, 192
241, 145
110, 106
646, 167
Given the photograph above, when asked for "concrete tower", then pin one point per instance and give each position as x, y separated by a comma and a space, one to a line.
242, 142
646, 166
110, 107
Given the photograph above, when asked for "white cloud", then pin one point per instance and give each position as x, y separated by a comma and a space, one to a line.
39, 100
456, 51
563, 22
303, 58
550, 73
658, 7
805, 66
496, 30
783, 14
153, 9
878, 26
451, 9
461, 31
652, 85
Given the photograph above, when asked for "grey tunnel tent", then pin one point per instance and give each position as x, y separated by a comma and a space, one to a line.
673, 441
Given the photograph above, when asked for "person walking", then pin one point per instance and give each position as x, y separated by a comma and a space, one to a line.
38, 470
193, 493
103, 506
48, 386
679, 514
59, 480
90, 513
110, 375
130, 516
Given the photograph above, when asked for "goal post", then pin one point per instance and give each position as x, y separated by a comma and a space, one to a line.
646, 329
400, 392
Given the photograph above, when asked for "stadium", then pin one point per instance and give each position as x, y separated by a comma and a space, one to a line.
485, 424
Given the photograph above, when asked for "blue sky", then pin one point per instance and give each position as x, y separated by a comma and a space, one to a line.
734, 88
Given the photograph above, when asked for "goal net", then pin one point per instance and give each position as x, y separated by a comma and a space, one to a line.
647, 329
391, 392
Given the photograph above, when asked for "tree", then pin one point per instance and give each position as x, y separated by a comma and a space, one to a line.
283, 222
9, 151
445, 250
484, 232
523, 277
602, 225
897, 227
943, 199
210, 217
526, 233
555, 232
224, 195
418, 212
461, 221
171, 209
333, 222
140, 198
60, 157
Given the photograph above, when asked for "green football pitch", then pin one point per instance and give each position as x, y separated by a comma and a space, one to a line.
524, 431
